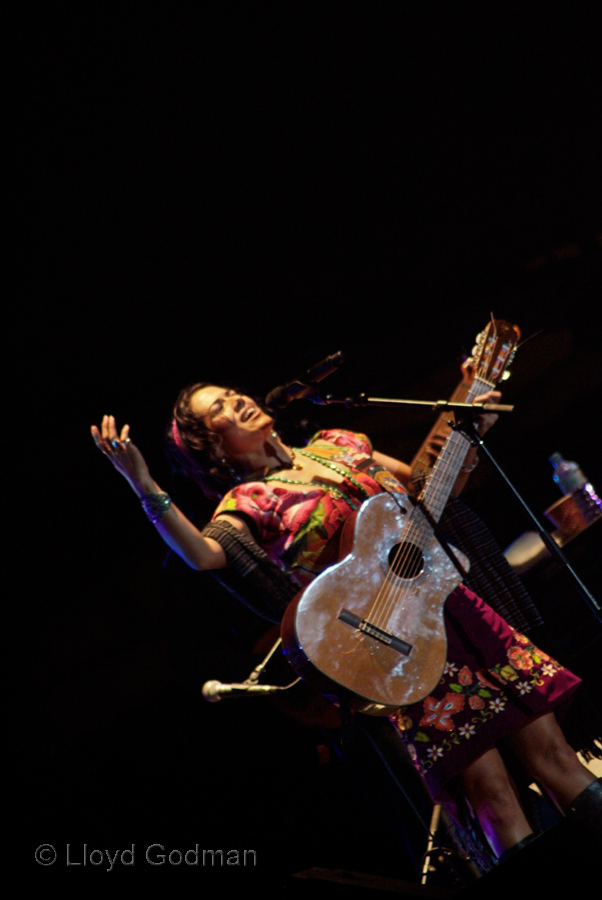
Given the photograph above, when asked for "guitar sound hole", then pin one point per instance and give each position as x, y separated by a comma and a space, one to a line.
406, 560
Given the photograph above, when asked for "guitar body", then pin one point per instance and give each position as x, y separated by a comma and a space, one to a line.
405, 660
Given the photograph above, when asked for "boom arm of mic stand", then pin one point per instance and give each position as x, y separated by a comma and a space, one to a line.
547, 538
437, 405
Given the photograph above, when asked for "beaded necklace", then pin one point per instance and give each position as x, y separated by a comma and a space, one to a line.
332, 489
335, 468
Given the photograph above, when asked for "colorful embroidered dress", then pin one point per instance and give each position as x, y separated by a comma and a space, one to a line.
297, 526
495, 679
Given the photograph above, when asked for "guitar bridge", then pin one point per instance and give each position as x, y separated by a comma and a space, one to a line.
379, 634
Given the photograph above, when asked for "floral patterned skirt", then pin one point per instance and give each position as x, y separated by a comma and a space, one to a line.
495, 681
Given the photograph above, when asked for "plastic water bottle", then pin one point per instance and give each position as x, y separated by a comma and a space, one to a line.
567, 475
571, 480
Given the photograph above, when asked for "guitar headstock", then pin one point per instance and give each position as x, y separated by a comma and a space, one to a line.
493, 352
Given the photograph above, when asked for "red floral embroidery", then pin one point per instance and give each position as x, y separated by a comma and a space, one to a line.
476, 702
520, 638
484, 681
520, 658
438, 714
465, 676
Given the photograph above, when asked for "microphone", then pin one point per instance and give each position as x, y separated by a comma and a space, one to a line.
215, 690
294, 390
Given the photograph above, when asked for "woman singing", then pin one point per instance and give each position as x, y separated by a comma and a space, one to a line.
286, 506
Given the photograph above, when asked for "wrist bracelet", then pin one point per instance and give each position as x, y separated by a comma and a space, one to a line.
475, 463
155, 506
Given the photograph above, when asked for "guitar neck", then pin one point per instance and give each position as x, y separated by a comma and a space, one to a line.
446, 469
424, 457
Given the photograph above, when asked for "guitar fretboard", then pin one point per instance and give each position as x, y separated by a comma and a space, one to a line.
442, 478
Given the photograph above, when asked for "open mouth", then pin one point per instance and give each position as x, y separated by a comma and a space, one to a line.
248, 413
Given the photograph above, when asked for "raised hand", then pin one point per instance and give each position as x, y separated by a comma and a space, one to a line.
123, 454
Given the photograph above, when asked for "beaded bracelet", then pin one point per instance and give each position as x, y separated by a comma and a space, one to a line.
155, 506
475, 463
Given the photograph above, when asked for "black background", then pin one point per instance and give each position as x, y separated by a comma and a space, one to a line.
233, 195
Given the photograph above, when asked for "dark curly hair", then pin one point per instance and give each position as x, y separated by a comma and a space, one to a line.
196, 451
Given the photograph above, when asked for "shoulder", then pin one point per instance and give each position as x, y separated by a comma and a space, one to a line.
351, 439
256, 505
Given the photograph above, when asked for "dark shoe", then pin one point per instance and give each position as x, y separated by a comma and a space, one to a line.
516, 848
587, 807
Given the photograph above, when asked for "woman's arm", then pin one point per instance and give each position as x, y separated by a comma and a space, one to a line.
399, 469
177, 531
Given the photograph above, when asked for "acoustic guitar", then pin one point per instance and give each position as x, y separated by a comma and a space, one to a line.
371, 628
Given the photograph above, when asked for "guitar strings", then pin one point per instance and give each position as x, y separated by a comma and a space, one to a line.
409, 557
418, 531
415, 536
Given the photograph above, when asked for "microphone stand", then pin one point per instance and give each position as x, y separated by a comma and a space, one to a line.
468, 430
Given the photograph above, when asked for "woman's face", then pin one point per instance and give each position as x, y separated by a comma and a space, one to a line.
242, 425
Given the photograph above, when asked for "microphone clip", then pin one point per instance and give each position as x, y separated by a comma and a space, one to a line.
303, 387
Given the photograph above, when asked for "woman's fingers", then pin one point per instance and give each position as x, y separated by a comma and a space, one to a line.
105, 428
108, 440
487, 419
489, 397
108, 428
96, 435
113, 436
100, 435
